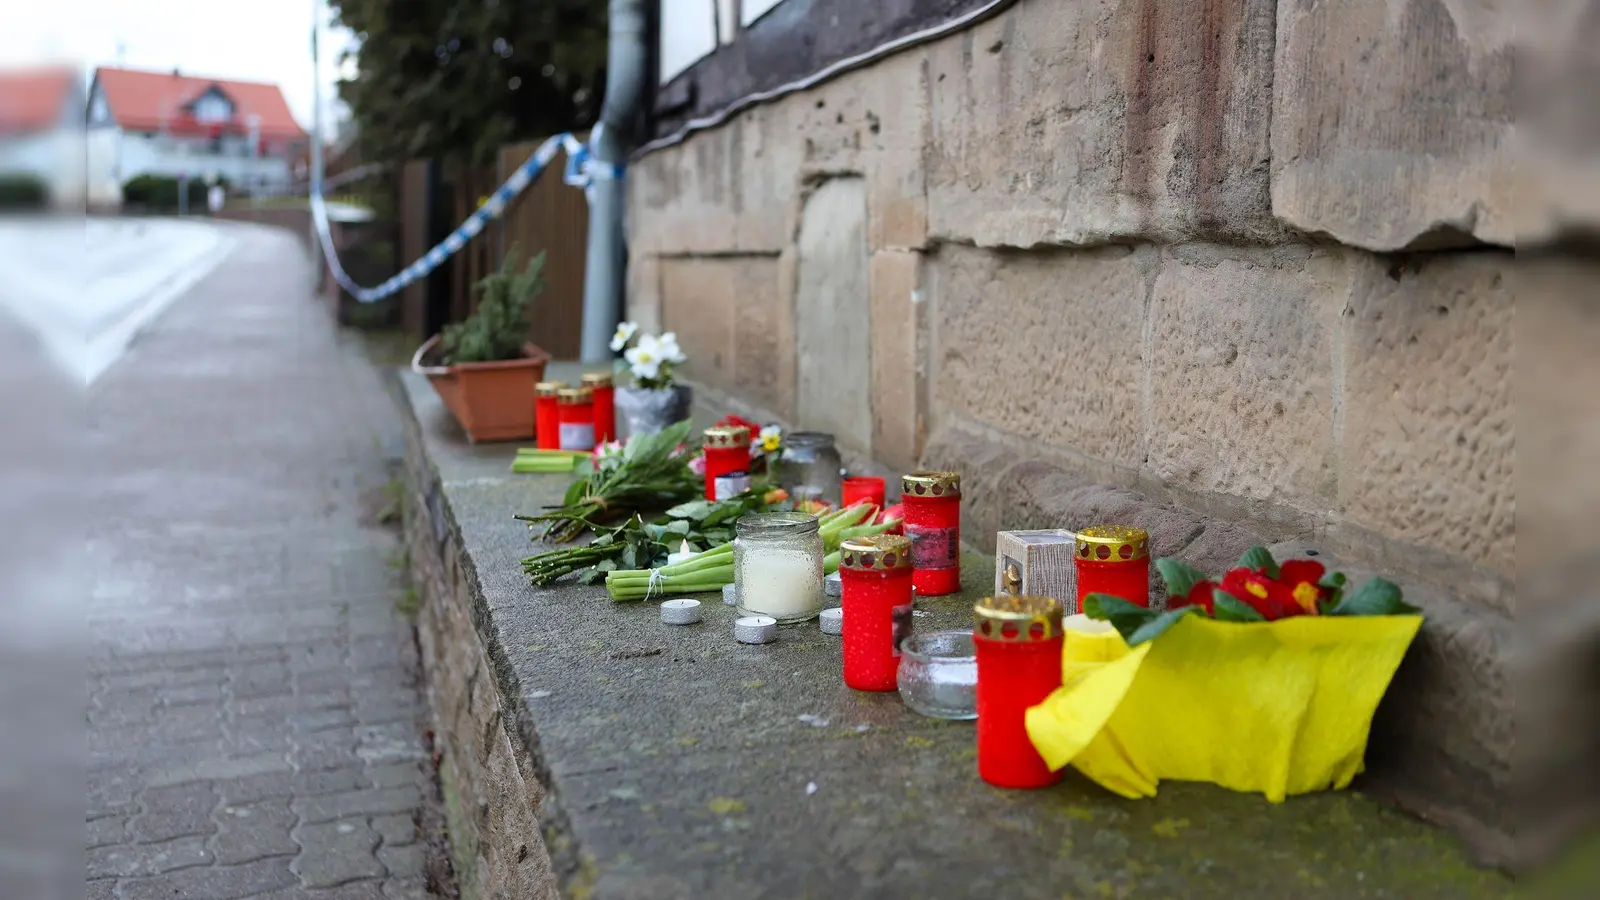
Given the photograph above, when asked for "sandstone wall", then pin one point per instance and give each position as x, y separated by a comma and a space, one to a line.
1251, 257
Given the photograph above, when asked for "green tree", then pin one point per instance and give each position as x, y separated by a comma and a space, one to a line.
456, 79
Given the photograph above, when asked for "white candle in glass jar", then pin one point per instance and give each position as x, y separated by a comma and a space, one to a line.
781, 583
778, 566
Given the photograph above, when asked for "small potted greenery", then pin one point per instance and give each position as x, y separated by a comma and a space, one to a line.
485, 368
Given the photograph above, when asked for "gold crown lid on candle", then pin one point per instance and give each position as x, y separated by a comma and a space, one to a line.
931, 484
725, 436
1113, 543
549, 388
596, 379
1022, 619
877, 553
570, 396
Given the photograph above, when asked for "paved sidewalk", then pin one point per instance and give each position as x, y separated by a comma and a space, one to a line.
254, 713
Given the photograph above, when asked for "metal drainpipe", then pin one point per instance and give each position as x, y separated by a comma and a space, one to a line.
607, 260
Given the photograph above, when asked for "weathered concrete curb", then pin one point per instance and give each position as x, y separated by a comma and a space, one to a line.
589, 751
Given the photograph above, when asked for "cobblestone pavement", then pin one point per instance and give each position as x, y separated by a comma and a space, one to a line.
254, 714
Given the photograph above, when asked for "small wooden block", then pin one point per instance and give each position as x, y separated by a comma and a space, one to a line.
1037, 563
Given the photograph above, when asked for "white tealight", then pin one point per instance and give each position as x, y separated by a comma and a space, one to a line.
833, 585
680, 612
755, 629
831, 620
730, 594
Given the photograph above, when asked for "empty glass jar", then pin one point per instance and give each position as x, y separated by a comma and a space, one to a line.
939, 674
810, 467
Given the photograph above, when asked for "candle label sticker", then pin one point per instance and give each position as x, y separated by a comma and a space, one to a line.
577, 435
902, 625
934, 548
729, 485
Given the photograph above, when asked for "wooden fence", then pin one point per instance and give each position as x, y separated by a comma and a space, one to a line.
549, 215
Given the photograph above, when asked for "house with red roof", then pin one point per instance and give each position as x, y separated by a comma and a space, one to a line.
173, 124
41, 121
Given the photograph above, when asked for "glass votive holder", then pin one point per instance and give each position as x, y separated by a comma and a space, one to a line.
939, 674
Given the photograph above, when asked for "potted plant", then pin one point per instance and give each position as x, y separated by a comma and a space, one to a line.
485, 368
1264, 680
655, 400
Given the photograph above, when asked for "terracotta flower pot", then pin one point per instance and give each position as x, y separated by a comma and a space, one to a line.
493, 401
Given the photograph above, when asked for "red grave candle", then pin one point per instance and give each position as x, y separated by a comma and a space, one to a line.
605, 405
875, 575
575, 408
547, 416
863, 489
1115, 560
932, 503
727, 449
1018, 642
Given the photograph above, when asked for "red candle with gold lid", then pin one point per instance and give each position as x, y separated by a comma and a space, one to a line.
727, 449
1018, 641
932, 503
875, 577
575, 407
547, 415
605, 405
1115, 560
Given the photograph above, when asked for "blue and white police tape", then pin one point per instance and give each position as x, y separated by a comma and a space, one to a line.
582, 171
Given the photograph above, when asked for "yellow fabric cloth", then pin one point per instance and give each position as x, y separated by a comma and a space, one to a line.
1277, 707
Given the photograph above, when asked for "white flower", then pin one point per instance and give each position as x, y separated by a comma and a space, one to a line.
771, 438
644, 359
625, 333
670, 352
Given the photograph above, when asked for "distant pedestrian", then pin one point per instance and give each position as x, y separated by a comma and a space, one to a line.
215, 198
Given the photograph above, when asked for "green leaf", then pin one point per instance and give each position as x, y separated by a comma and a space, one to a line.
630, 556
1228, 608
593, 576
604, 540
680, 527
1179, 575
1333, 580
606, 565
1378, 597
575, 492
1259, 558
1126, 617
1156, 626
694, 509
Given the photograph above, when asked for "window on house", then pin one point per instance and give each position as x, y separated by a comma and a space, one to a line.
688, 32
751, 10
212, 108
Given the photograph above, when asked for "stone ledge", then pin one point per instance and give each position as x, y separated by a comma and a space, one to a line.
673, 763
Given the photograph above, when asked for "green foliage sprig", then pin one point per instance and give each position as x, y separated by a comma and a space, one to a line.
498, 328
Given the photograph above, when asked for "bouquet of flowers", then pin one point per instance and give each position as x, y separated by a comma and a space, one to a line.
650, 359
1264, 680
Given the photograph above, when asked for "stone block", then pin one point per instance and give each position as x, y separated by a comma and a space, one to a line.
682, 200
764, 332
833, 312
1425, 438
698, 301
1080, 123
1240, 369
644, 290
897, 333
1045, 346
1392, 122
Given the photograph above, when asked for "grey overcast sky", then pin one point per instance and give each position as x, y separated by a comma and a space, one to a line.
251, 40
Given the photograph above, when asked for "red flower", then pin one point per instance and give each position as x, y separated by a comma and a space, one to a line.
1272, 599
732, 419
1199, 595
